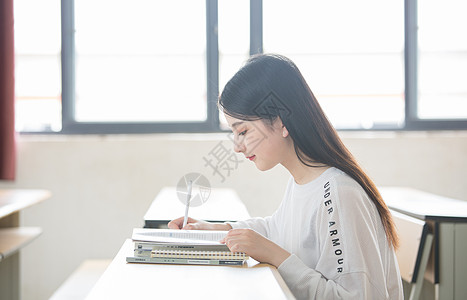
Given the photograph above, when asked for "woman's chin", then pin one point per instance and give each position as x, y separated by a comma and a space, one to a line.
263, 167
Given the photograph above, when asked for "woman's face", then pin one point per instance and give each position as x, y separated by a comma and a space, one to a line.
266, 146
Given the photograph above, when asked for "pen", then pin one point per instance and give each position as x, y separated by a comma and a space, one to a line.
188, 198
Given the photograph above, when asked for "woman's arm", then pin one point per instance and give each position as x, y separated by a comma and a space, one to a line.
305, 282
256, 246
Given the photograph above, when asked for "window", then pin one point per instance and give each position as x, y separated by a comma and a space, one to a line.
442, 60
234, 41
139, 67
157, 66
130, 68
352, 59
37, 66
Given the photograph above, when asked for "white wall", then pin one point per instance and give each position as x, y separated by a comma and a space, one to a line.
102, 186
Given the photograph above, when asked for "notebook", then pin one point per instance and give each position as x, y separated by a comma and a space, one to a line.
191, 257
171, 236
201, 247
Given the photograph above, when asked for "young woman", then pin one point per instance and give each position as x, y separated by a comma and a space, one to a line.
332, 236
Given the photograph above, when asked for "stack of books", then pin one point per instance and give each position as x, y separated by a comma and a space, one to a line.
168, 246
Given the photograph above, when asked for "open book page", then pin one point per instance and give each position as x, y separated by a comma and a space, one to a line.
200, 237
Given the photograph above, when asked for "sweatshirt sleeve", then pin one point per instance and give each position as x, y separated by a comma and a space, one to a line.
265, 226
260, 225
306, 283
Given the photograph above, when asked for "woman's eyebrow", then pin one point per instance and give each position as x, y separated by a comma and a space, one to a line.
234, 125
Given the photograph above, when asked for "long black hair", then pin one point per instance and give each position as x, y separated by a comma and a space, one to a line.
270, 86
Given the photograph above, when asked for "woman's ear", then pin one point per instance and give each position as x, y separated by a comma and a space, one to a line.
285, 132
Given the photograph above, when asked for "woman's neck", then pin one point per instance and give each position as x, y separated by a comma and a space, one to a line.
301, 173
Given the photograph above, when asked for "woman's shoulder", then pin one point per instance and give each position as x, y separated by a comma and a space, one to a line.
346, 187
332, 181
343, 181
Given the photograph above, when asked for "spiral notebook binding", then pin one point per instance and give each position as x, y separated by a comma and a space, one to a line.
222, 255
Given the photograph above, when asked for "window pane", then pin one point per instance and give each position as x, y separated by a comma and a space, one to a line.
140, 61
350, 53
442, 59
37, 65
234, 37
234, 40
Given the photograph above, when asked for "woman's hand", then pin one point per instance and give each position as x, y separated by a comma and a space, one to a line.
256, 246
193, 224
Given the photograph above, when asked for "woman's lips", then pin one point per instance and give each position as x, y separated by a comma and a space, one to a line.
251, 157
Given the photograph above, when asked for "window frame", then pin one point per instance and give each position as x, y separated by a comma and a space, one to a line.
71, 126
412, 122
212, 123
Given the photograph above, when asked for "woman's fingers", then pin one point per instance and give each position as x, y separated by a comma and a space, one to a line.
192, 226
255, 245
235, 232
178, 223
238, 240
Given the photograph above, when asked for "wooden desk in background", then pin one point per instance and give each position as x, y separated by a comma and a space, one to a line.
13, 237
124, 280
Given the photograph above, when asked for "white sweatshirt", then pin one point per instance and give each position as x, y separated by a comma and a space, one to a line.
338, 243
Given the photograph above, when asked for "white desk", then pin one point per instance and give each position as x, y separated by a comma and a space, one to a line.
124, 280
446, 220
222, 205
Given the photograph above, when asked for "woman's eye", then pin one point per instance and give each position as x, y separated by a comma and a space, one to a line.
242, 133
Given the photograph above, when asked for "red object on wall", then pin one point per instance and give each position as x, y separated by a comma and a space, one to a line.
7, 92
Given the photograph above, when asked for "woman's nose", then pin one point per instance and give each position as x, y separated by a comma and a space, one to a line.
239, 146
